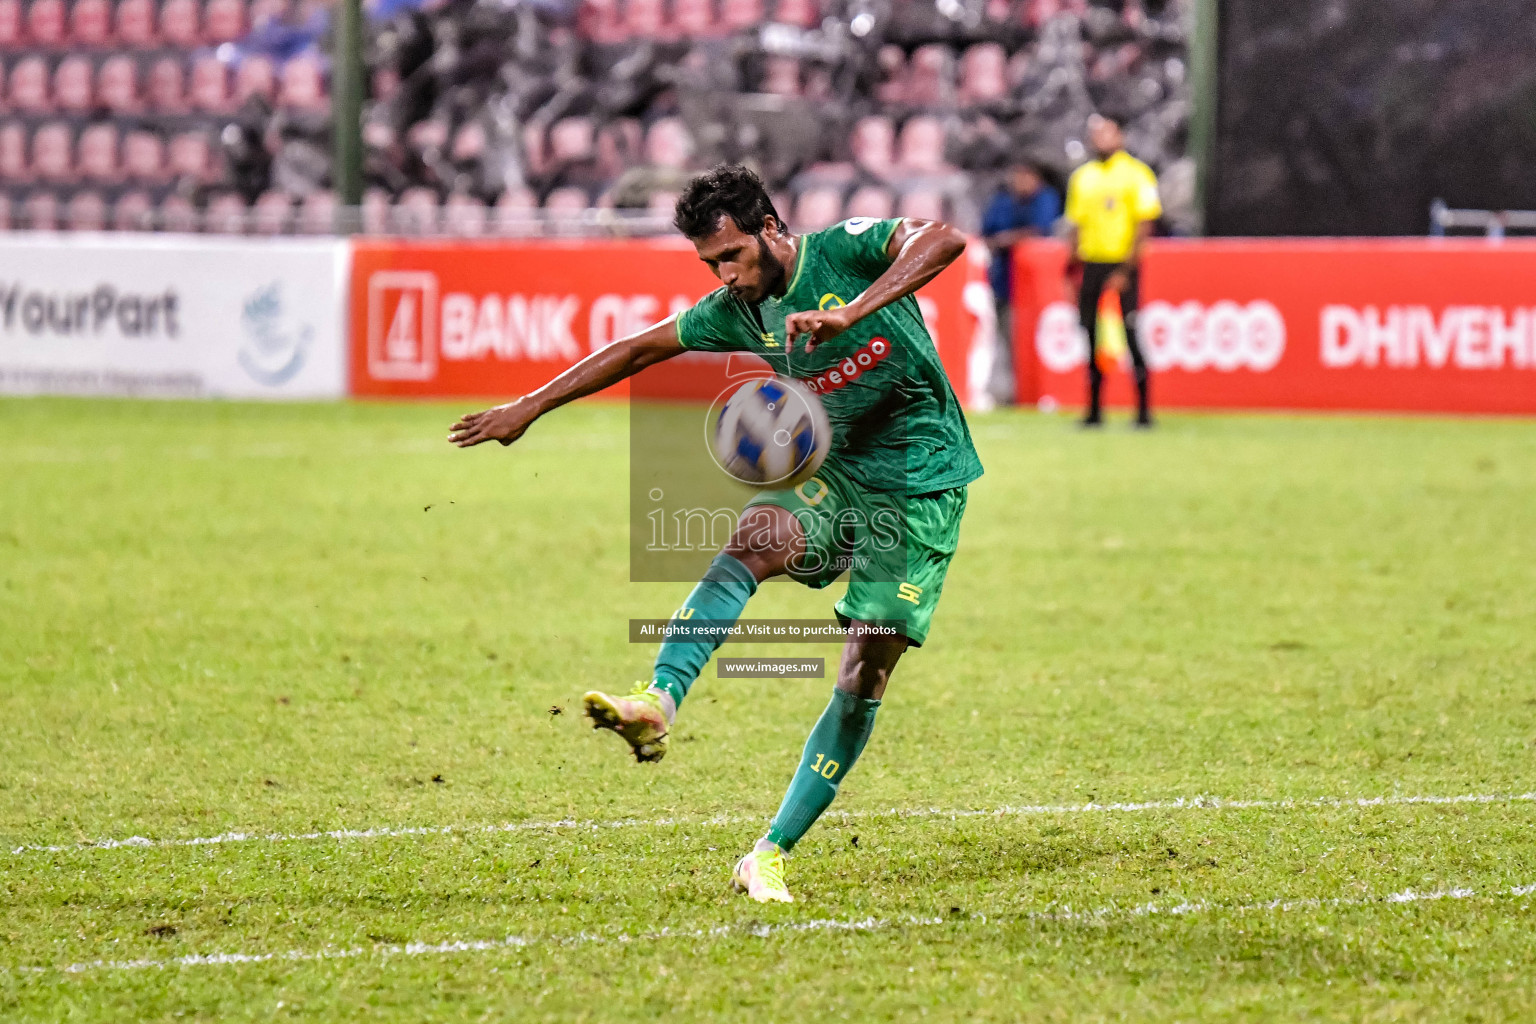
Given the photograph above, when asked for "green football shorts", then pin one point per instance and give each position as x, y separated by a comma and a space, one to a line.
895, 548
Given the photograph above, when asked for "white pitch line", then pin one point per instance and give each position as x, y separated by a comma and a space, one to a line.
763, 931
1201, 803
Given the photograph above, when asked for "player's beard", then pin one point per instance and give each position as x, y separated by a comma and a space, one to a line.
770, 271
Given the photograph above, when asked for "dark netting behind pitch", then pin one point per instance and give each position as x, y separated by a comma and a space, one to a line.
1349, 117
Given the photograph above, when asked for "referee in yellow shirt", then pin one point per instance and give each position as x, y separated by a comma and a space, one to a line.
1111, 204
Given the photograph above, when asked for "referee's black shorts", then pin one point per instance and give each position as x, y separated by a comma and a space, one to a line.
1094, 276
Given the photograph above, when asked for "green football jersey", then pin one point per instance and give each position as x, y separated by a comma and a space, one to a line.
896, 424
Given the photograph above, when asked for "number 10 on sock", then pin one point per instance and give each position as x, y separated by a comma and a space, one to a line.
825, 771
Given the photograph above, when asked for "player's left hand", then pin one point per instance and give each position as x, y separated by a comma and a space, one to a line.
818, 325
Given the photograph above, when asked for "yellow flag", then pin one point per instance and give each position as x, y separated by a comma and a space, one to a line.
1111, 331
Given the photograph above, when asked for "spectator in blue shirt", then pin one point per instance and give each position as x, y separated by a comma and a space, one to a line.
1026, 207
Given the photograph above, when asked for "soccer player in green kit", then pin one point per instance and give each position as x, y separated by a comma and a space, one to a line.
836, 310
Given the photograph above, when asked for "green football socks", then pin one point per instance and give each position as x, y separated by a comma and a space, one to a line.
834, 745
715, 605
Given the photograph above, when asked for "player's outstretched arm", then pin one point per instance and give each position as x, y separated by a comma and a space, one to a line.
624, 358
919, 250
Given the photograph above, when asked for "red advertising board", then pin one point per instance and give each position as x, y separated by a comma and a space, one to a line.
1433, 325
502, 318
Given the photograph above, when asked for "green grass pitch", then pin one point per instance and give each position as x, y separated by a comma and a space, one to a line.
280, 620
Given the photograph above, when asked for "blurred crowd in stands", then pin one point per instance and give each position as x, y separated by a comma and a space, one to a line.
521, 115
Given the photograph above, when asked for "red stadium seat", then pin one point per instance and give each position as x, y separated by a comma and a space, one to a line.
272, 213
800, 13
983, 73
663, 203
535, 147
781, 76
53, 153
45, 23
226, 215
263, 12
10, 24
224, 21
873, 145
255, 77
892, 87
28, 90
922, 204
167, 86
144, 157
566, 201
72, 85
416, 212
600, 21
136, 23
303, 84
87, 211
40, 212
870, 201
817, 208
190, 156
742, 14
13, 153
922, 146
117, 85
930, 76
178, 23
98, 153
210, 85
376, 211
317, 214
518, 200
464, 216
132, 212
572, 139
90, 23
177, 214
646, 19
696, 18
668, 143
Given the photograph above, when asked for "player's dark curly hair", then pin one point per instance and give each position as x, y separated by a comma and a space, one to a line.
726, 190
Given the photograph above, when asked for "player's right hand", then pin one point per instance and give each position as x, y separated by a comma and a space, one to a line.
504, 423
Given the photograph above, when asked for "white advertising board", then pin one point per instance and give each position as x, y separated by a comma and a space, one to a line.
172, 317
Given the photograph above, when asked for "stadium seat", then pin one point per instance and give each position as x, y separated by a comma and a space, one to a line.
464, 215
303, 84
264, 12
255, 77
662, 203
6, 222
10, 26
135, 23
45, 23
535, 147
870, 201
781, 76
97, 160
417, 212
13, 153
28, 91
620, 143
572, 139
695, 18
223, 21
90, 23
921, 149
167, 86
178, 23
601, 22
983, 74
742, 14
668, 143
40, 212
117, 85
144, 157
177, 214
646, 19
190, 156
132, 212
375, 211
72, 85
892, 87
922, 204
566, 202
817, 208
272, 213
930, 76
210, 85
800, 13
87, 211
53, 152
225, 215
317, 213
873, 143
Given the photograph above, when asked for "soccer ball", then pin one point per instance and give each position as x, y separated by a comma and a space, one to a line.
771, 432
